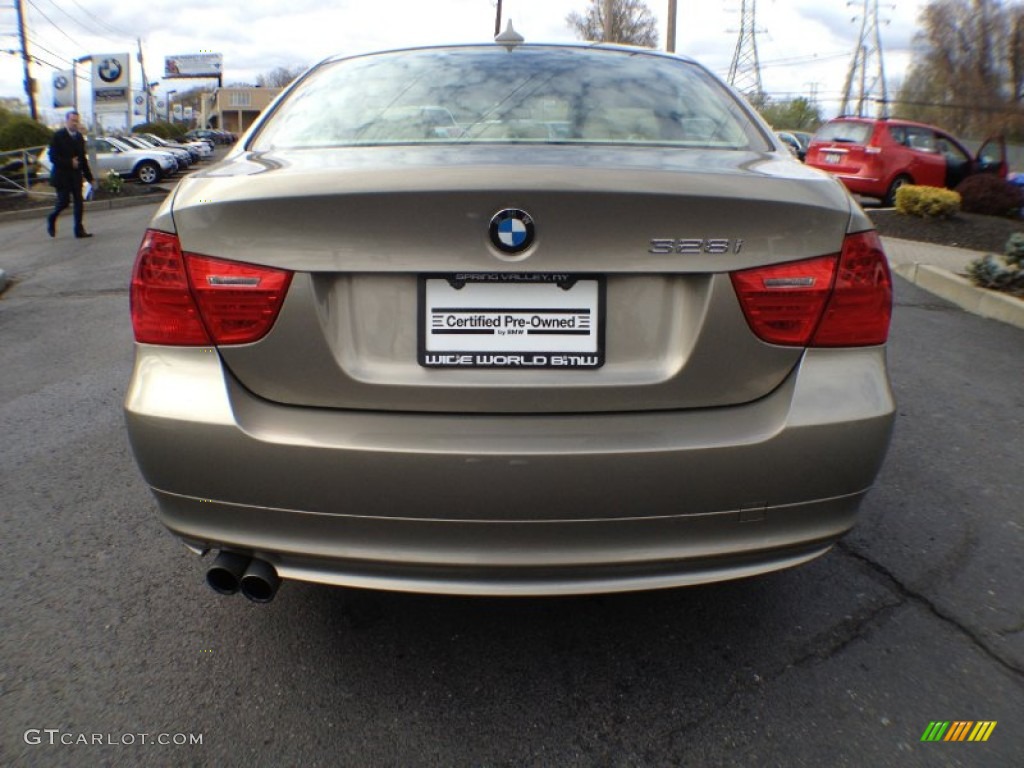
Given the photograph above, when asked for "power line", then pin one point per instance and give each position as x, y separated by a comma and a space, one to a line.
77, 21
32, 56
1006, 109
87, 12
35, 42
804, 59
52, 24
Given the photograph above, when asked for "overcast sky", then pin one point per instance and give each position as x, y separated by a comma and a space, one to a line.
802, 44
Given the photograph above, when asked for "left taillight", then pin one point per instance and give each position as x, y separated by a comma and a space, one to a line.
184, 299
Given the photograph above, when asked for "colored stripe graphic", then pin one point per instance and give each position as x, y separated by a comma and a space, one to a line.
982, 731
935, 730
958, 730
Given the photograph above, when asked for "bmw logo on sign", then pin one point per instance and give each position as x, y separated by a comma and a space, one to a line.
60, 82
110, 70
512, 230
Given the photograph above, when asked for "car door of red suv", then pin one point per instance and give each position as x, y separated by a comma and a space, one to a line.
959, 163
991, 158
927, 166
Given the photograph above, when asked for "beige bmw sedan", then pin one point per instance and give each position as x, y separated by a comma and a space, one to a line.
508, 319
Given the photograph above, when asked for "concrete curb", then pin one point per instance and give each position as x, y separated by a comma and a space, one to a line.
962, 292
95, 205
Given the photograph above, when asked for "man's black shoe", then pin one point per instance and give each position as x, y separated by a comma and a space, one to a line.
51, 230
83, 233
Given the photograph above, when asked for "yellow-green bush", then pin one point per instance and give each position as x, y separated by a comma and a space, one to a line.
927, 202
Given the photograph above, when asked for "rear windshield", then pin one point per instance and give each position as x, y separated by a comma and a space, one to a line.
846, 131
491, 94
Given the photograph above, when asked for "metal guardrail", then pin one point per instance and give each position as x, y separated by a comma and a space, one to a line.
18, 169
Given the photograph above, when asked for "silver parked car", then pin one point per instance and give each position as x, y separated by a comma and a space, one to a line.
182, 156
148, 167
601, 334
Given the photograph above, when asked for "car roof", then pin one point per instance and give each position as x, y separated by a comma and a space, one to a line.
885, 120
584, 46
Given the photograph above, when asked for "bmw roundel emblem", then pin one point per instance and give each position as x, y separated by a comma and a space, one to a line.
109, 70
512, 230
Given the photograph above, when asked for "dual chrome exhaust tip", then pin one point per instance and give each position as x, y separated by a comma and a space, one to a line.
254, 578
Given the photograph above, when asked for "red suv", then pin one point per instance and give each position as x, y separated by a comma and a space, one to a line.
875, 157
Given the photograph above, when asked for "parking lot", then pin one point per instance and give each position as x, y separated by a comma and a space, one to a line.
114, 652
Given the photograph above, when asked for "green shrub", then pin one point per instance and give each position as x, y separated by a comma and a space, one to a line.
19, 132
927, 202
1015, 249
1004, 273
112, 183
990, 195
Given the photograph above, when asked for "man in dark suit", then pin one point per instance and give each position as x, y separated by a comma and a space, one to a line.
69, 165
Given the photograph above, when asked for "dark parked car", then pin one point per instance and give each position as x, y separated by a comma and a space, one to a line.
790, 140
875, 157
211, 134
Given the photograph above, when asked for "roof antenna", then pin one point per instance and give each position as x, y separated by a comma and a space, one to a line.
509, 38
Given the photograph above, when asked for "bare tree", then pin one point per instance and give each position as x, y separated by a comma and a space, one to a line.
969, 76
279, 77
631, 23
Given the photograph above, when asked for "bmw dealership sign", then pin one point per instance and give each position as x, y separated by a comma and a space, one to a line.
63, 88
111, 83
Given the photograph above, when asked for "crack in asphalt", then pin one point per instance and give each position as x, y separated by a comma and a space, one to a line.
846, 633
974, 637
822, 648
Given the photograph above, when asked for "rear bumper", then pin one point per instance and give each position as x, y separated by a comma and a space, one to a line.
858, 184
863, 185
514, 504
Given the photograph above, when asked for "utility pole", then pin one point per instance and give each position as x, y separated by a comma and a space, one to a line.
145, 80
497, 20
670, 34
30, 89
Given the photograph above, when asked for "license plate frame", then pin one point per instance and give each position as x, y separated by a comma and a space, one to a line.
497, 320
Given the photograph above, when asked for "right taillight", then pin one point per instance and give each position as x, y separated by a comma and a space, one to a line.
859, 311
830, 301
184, 299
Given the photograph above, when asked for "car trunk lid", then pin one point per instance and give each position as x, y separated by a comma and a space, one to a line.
645, 249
